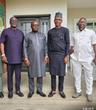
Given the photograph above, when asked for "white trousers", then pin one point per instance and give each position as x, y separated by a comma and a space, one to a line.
77, 71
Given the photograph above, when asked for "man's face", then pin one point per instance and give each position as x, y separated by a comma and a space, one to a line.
35, 26
82, 24
58, 21
13, 22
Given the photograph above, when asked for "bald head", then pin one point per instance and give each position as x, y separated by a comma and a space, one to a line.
13, 22
82, 23
35, 25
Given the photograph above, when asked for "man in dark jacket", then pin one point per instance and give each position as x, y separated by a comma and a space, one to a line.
12, 53
58, 48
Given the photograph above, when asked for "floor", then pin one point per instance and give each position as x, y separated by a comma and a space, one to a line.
54, 103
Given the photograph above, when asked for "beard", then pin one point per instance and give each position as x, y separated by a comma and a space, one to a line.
13, 26
35, 31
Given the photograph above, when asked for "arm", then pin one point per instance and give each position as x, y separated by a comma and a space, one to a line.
71, 50
2, 41
93, 41
94, 48
45, 46
4, 58
2, 49
72, 43
67, 40
48, 44
46, 51
25, 46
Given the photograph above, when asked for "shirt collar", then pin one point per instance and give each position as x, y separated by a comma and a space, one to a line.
82, 30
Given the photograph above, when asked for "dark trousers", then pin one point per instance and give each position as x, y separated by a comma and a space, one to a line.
11, 68
60, 83
39, 84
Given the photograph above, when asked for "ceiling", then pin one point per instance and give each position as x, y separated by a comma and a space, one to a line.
81, 3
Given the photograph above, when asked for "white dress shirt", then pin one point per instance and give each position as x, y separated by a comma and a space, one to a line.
83, 42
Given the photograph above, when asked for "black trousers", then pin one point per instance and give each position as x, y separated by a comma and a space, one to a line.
11, 68
60, 83
39, 84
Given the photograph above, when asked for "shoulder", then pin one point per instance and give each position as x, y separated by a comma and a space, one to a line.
64, 28
5, 31
21, 34
51, 30
90, 31
28, 34
20, 31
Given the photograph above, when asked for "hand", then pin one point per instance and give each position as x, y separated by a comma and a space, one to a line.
26, 61
4, 59
94, 60
66, 59
71, 51
46, 60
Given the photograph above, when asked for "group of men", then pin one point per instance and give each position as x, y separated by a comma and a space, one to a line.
36, 52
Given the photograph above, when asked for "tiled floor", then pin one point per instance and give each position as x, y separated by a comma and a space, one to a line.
54, 103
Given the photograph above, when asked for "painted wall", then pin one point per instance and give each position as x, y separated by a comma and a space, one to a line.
36, 7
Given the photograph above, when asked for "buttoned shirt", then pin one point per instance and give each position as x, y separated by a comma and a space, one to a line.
13, 43
58, 41
83, 42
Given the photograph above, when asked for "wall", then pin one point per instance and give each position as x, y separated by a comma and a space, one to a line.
36, 7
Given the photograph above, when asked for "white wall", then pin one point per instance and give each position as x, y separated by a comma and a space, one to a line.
74, 13
36, 7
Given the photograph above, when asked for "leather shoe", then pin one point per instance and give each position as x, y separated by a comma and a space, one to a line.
30, 94
51, 94
62, 94
77, 94
41, 94
1, 95
10, 95
19, 93
89, 98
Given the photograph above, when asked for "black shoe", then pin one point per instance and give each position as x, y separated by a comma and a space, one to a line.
41, 94
19, 93
1, 95
62, 94
51, 94
10, 95
30, 94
